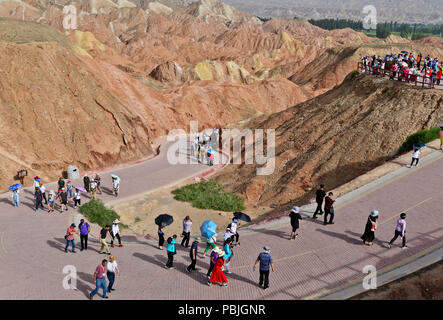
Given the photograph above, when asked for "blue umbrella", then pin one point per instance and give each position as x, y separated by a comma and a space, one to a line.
114, 176
15, 186
405, 52
208, 229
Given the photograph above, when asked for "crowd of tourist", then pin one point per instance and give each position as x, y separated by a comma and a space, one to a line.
406, 67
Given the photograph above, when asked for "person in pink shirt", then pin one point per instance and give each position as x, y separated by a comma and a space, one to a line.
70, 237
100, 279
400, 230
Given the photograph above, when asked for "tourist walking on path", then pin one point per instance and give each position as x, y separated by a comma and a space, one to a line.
51, 201
43, 190
115, 232
92, 188
69, 188
103, 234
61, 184
16, 198
329, 209
86, 182
415, 155
371, 225
170, 249
295, 217
70, 237
228, 234
441, 137
193, 254
187, 222
161, 238
115, 185
84, 229
77, 199
233, 228
319, 196
100, 280
63, 195
227, 247
217, 275
215, 253
266, 261
400, 230
98, 180
38, 199
210, 244
112, 271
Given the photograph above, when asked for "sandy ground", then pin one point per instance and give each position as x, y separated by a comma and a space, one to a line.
425, 284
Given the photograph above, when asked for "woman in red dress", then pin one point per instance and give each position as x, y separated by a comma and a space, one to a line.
217, 274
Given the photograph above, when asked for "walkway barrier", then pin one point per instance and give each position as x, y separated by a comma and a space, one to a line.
416, 80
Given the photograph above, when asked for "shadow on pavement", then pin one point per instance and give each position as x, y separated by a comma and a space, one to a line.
107, 191
351, 240
150, 259
56, 245
276, 233
7, 201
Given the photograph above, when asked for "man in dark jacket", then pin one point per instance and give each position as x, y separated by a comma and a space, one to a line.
319, 196
295, 217
329, 209
193, 254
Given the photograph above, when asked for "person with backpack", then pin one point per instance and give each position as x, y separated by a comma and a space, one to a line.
86, 182
63, 195
319, 197
400, 231
38, 196
115, 232
170, 249
193, 254
295, 217
415, 157
69, 237
77, 199
187, 222
84, 229
61, 184
329, 209
266, 261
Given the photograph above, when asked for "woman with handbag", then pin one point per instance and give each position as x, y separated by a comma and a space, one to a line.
371, 225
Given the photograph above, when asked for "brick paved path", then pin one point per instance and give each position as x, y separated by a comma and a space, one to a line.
320, 259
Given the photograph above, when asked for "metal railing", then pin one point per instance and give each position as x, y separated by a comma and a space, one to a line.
417, 80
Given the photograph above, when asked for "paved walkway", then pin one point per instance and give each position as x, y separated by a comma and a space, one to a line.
320, 260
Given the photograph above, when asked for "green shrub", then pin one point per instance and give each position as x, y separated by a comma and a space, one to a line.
389, 92
209, 195
354, 74
424, 136
96, 212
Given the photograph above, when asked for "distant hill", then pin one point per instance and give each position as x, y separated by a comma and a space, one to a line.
408, 11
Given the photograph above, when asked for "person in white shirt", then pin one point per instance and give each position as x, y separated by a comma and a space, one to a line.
228, 234
187, 222
115, 186
234, 226
194, 146
415, 156
51, 200
111, 271
93, 188
43, 191
115, 232
77, 200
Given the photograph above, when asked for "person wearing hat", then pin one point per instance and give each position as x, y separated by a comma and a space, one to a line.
400, 230
320, 194
215, 253
266, 261
115, 232
217, 275
51, 200
295, 217
70, 237
63, 195
371, 225
36, 182
193, 254
69, 188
